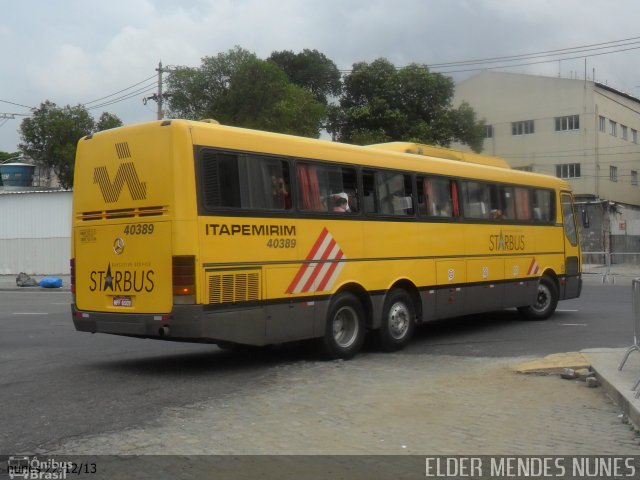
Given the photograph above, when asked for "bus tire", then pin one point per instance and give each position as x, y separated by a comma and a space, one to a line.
398, 321
546, 301
344, 330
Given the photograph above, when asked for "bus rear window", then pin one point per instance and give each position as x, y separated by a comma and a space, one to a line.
242, 181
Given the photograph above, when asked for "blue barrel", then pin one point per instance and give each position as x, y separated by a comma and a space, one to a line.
17, 174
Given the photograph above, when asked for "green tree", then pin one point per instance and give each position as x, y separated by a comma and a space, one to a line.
381, 103
51, 134
312, 71
107, 121
4, 156
236, 88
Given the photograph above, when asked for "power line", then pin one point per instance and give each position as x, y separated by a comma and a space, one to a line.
539, 62
16, 104
560, 51
588, 50
122, 98
119, 91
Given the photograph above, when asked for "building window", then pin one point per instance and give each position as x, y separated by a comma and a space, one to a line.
571, 122
623, 131
488, 131
602, 124
634, 177
613, 173
522, 128
634, 135
613, 128
568, 170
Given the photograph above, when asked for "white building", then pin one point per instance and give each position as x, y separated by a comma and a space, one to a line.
35, 232
580, 130
583, 131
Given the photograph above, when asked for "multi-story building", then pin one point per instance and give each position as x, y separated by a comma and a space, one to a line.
583, 131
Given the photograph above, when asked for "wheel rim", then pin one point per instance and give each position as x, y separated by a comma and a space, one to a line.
399, 318
543, 299
345, 327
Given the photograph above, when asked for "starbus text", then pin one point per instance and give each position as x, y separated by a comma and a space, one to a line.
122, 281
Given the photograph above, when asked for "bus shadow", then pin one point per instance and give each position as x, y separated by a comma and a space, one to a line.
489, 329
437, 337
237, 360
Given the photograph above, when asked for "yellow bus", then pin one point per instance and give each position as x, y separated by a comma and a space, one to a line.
198, 232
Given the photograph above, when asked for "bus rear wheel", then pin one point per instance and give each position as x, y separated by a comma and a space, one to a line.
546, 301
398, 321
344, 330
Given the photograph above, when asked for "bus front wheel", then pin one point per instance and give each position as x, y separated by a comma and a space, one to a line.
344, 330
546, 301
398, 321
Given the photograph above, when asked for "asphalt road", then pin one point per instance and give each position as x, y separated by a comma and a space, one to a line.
56, 383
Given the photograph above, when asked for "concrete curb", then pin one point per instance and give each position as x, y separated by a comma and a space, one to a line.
617, 383
604, 363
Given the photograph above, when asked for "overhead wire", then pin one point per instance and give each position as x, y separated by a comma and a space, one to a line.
554, 56
119, 91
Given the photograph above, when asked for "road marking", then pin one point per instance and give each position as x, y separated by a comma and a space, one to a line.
560, 310
574, 324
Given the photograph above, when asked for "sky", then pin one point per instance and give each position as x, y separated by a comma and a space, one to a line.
75, 52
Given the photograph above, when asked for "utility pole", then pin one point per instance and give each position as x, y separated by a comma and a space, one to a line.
159, 97
160, 72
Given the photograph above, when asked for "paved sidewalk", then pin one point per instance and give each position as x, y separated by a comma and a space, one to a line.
392, 404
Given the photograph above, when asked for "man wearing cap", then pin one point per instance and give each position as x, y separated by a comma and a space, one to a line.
340, 202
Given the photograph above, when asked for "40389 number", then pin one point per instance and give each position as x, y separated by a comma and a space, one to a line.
139, 229
282, 243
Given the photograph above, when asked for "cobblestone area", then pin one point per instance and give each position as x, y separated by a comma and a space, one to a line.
385, 404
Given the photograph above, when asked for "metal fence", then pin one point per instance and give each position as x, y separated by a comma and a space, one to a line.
635, 286
611, 265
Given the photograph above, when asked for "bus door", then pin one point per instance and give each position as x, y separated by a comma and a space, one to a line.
571, 248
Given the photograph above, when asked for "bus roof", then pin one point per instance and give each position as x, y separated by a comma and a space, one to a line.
397, 155
441, 152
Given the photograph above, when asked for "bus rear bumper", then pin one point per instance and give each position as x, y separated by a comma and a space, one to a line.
186, 323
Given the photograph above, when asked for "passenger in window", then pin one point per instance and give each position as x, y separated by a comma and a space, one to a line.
280, 192
340, 202
443, 210
497, 214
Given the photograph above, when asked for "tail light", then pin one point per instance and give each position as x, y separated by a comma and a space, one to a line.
72, 275
184, 279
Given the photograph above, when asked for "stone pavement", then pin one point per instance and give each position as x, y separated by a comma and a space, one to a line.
386, 404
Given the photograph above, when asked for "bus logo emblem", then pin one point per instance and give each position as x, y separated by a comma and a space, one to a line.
118, 245
126, 174
321, 268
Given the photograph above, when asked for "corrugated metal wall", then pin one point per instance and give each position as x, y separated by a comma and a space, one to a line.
35, 232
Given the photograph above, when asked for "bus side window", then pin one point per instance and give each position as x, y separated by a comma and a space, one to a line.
476, 200
523, 203
543, 207
247, 182
320, 185
387, 193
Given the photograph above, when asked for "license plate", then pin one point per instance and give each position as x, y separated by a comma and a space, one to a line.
122, 302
